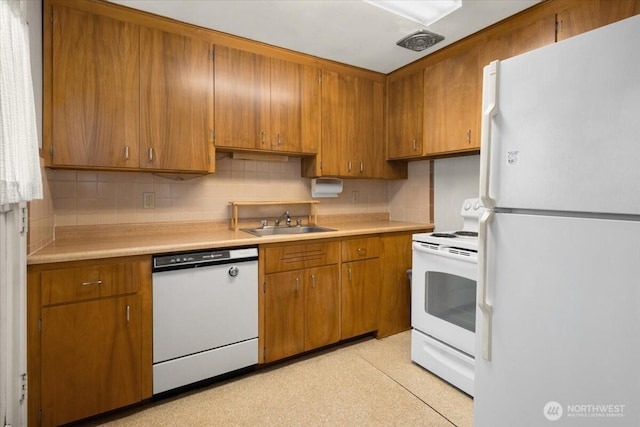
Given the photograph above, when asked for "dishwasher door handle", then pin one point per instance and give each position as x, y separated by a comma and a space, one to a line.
234, 271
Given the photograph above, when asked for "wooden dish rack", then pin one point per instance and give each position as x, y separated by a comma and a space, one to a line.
235, 206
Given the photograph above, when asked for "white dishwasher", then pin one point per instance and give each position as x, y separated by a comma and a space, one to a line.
205, 315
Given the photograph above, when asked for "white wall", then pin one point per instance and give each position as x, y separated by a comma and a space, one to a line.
455, 180
409, 199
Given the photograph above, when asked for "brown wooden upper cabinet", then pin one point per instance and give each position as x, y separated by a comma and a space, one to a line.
586, 15
436, 111
405, 116
95, 95
453, 89
347, 124
517, 37
265, 104
352, 130
176, 102
127, 97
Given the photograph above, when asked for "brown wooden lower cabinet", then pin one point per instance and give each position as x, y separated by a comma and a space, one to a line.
360, 285
319, 293
360, 297
321, 307
90, 325
302, 306
92, 361
89, 338
394, 313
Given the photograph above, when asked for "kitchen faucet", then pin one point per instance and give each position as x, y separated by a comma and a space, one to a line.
287, 215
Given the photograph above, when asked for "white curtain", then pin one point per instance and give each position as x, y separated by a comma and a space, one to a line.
20, 178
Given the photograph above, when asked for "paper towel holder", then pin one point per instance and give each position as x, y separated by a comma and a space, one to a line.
326, 187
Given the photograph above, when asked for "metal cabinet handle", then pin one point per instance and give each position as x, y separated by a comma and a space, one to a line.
91, 283
415, 146
361, 167
362, 251
150, 154
297, 283
349, 165
262, 137
128, 312
349, 274
279, 139
468, 136
126, 152
313, 280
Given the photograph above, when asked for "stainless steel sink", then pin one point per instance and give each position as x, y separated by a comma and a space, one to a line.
274, 231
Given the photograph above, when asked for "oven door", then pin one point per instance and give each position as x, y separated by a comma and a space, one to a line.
443, 296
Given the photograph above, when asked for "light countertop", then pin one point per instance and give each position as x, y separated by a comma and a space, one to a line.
93, 242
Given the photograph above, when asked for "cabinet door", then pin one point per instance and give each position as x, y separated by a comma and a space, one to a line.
518, 37
322, 302
176, 113
311, 110
242, 86
337, 123
286, 106
360, 295
352, 126
91, 361
367, 150
588, 15
395, 288
95, 89
453, 104
405, 116
284, 314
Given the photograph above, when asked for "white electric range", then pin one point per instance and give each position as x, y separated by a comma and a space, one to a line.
443, 299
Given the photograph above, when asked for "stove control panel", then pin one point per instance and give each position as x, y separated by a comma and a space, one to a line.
472, 208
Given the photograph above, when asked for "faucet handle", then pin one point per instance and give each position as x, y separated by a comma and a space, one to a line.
264, 223
298, 222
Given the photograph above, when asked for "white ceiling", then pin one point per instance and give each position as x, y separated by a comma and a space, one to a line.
348, 31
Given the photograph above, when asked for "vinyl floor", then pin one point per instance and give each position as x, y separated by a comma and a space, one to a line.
367, 382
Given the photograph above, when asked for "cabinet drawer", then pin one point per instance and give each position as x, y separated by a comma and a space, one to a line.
364, 248
292, 257
82, 283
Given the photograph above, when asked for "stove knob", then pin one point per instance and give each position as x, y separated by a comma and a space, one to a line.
467, 206
476, 206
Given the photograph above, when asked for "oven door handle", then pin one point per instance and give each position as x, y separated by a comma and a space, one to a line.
483, 303
419, 247
423, 249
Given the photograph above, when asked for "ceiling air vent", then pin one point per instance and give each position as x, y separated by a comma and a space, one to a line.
420, 40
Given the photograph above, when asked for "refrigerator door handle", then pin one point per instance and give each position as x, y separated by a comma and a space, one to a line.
489, 110
483, 303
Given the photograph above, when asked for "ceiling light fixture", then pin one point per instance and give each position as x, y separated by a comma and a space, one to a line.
422, 12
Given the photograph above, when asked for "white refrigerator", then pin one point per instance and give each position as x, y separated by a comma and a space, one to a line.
558, 327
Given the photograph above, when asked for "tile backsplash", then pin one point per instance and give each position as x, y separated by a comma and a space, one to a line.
89, 197
41, 217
